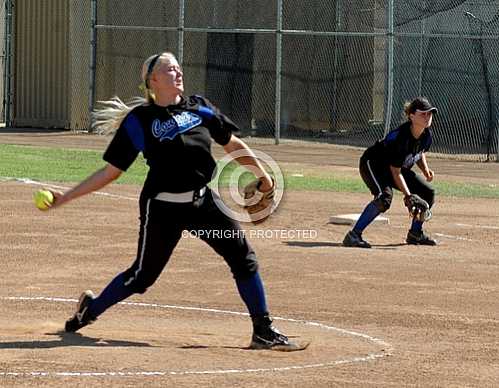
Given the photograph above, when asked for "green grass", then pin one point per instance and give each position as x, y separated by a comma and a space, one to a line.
65, 165
59, 165
351, 185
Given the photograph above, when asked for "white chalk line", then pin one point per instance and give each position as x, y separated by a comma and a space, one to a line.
387, 348
453, 237
479, 226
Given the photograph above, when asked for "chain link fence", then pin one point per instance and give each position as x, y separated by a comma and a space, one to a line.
335, 71
447, 51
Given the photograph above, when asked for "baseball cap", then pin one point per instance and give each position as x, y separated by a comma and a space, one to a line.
421, 104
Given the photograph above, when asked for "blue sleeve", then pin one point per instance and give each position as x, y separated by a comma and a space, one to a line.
220, 126
394, 148
126, 144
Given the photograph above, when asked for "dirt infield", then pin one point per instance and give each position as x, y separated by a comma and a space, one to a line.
395, 315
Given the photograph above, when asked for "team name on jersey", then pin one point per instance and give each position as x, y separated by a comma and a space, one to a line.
411, 159
179, 123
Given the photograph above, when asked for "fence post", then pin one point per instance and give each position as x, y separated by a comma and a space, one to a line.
8, 64
389, 66
181, 21
497, 144
278, 68
421, 53
337, 27
93, 58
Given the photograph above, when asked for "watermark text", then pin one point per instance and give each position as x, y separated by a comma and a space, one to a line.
268, 234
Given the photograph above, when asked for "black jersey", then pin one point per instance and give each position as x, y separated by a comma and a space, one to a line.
175, 141
399, 148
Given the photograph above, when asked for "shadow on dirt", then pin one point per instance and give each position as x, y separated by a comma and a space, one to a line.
318, 244
70, 339
312, 244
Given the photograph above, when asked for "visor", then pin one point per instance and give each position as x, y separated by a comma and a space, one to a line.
432, 109
421, 104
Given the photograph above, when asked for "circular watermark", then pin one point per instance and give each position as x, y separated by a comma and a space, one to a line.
231, 202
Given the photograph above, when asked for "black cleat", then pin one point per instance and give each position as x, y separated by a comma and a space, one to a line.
419, 238
266, 336
81, 318
354, 239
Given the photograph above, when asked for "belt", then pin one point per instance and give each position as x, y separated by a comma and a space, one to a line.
188, 196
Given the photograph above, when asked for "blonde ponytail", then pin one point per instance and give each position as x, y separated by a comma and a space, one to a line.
407, 109
108, 119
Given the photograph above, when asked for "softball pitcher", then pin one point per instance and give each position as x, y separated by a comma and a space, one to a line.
388, 164
174, 133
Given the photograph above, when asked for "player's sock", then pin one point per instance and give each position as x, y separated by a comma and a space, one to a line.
416, 226
115, 292
253, 294
368, 215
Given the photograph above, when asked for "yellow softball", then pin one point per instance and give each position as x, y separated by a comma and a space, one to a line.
43, 199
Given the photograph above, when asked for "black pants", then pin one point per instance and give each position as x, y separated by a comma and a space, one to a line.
161, 227
380, 182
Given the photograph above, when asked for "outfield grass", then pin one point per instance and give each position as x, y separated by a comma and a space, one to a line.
59, 165
65, 165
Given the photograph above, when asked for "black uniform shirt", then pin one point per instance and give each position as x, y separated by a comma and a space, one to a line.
175, 141
399, 148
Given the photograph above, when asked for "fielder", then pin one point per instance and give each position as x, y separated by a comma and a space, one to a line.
388, 164
174, 133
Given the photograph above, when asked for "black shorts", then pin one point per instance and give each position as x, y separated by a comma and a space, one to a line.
378, 178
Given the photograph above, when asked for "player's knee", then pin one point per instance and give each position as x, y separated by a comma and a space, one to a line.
138, 287
383, 202
428, 195
431, 197
245, 267
140, 290
139, 284
244, 273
